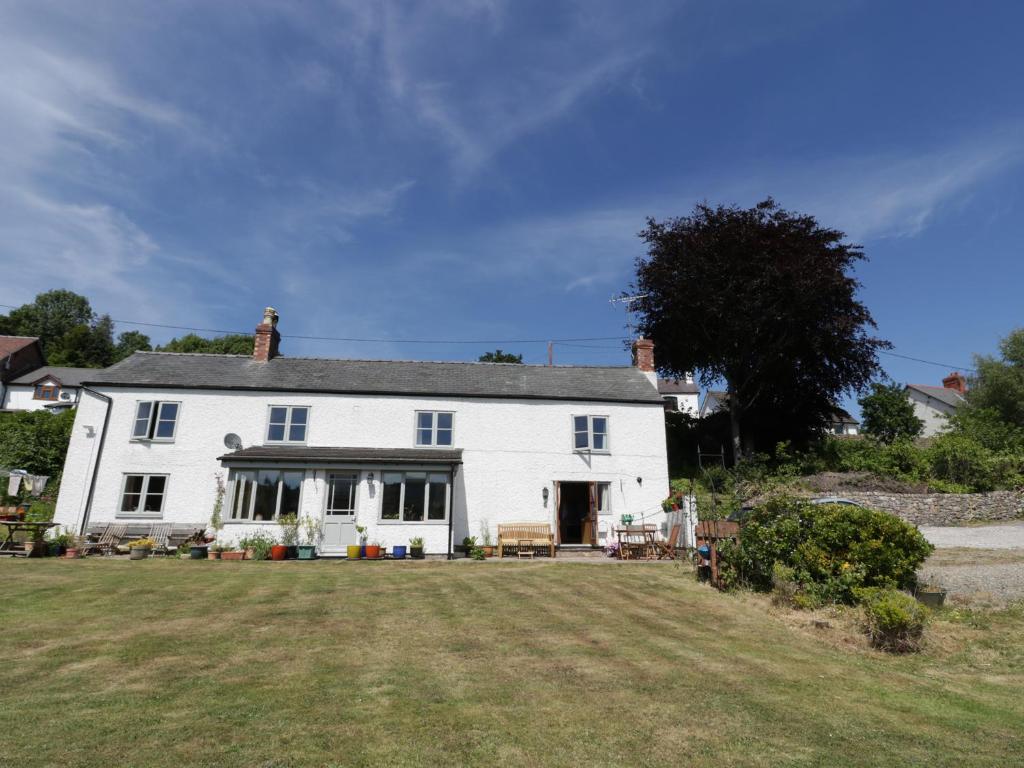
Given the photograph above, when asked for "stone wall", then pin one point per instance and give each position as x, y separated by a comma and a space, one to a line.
944, 508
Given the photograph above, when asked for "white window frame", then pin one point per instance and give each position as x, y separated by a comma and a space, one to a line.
328, 510
426, 498
153, 422
589, 448
608, 498
433, 429
248, 520
139, 512
287, 425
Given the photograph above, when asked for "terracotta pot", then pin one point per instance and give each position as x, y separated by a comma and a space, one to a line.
278, 552
71, 553
372, 552
488, 551
232, 555
213, 555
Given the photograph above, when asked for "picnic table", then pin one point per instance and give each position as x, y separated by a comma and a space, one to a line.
637, 542
7, 546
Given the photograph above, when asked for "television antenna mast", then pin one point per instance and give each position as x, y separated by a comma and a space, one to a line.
627, 304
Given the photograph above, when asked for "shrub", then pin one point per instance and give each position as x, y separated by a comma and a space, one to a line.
142, 544
259, 543
959, 459
893, 621
832, 549
784, 585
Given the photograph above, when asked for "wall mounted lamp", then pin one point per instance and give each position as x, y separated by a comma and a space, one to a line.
544, 493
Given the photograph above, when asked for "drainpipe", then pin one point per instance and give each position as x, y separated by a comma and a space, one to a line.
451, 512
96, 463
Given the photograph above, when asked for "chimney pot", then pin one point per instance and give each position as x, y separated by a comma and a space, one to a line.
267, 338
955, 381
643, 355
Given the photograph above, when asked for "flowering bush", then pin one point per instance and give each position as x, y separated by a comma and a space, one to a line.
832, 549
893, 621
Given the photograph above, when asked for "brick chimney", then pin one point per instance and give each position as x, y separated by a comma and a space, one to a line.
267, 337
955, 381
643, 358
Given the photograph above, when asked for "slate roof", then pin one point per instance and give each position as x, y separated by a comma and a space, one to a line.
69, 377
677, 387
380, 377
842, 416
325, 455
11, 344
950, 397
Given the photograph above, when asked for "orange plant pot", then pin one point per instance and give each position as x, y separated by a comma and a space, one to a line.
237, 554
372, 552
278, 552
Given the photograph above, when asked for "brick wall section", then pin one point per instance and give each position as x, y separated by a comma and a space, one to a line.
944, 508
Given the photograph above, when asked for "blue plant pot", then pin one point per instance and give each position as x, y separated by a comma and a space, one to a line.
398, 552
362, 550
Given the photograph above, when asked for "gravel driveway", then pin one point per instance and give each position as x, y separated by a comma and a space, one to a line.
998, 536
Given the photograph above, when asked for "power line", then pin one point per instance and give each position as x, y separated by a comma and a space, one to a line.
930, 362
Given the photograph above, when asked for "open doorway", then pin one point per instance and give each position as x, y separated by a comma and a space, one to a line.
575, 513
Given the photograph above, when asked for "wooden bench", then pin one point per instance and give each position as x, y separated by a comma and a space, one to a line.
513, 534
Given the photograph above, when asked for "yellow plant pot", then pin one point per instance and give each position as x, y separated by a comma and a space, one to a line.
353, 552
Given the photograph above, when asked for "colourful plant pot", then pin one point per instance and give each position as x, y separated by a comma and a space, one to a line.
198, 552
307, 552
354, 552
279, 552
372, 552
293, 551
398, 552
362, 550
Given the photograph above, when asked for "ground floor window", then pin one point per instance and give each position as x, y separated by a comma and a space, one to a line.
604, 498
264, 494
415, 497
143, 495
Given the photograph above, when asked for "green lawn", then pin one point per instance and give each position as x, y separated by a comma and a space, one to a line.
179, 663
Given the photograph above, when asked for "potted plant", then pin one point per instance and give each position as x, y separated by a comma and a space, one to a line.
373, 551
216, 551
139, 549
361, 531
311, 529
289, 535
416, 547
467, 545
486, 543
72, 546
354, 552
258, 545
398, 551
233, 553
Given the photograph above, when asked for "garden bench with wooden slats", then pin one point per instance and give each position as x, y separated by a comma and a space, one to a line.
516, 534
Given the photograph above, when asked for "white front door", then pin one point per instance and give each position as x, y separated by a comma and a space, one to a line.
340, 514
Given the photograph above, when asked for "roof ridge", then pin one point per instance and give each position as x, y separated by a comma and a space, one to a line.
384, 360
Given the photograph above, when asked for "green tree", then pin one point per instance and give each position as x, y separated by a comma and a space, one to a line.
232, 344
764, 299
994, 412
497, 356
51, 316
85, 346
130, 342
36, 441
888, 415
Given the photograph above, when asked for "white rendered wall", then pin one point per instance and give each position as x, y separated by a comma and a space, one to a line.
20, 397
934, 413
512, 450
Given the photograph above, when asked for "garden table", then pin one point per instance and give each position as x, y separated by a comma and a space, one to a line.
13, 526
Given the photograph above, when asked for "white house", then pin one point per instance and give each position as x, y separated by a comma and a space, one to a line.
406, 449
680, 394
934, 405
52, 387
842, 423
714, 401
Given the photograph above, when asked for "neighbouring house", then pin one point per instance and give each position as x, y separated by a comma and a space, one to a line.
405, 449
934, 405
680, 394
52, 387
18, 355
714, 400
842, 423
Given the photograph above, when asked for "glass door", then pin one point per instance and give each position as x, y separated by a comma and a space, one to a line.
340, 513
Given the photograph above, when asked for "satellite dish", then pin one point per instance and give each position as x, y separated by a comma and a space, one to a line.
65, 395
232, 441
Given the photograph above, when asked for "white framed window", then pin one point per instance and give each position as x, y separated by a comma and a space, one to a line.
341, 494
604, 498
155, 420
142, 495
415, 497
264, 494
590, 433
434, 428
287, 423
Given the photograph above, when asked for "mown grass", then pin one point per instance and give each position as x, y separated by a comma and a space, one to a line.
179, 663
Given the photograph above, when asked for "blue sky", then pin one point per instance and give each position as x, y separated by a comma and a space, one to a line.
478, 170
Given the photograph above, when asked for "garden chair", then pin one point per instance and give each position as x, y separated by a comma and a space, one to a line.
108, 540
161, 533
667, 549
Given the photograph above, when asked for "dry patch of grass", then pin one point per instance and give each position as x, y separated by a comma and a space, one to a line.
170, 663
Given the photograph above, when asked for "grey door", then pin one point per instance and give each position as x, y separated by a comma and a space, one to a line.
340, 513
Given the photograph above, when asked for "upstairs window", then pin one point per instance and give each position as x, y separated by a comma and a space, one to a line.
155, 420
590, 433
287, 424
46, 392
434, 428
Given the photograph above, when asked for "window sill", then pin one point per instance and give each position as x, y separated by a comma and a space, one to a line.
147, 440
250, 522
412, 522
589, 452
138, 516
